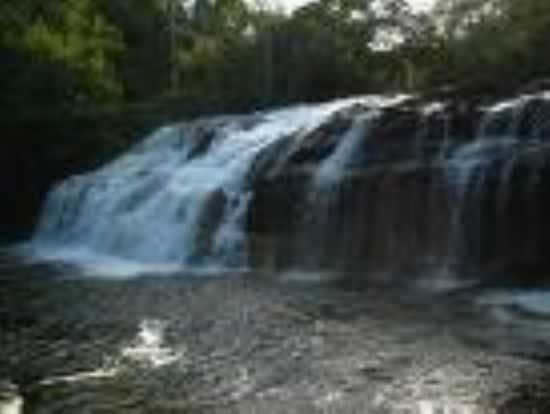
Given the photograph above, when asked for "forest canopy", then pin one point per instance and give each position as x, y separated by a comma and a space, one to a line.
247, 54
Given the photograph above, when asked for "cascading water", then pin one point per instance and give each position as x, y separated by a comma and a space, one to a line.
369, 182
482, 171
178, 199
322, 215
467, 169
469, 165
330, 171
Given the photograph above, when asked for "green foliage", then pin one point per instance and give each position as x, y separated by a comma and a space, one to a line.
69, 37
506, 38
143, 67
231, 54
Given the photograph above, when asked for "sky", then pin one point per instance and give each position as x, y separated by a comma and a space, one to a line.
419, 5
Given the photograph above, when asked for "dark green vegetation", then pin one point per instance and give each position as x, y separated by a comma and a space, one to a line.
79, 79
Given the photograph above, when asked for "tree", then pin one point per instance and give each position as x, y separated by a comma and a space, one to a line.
70, 35
504, 37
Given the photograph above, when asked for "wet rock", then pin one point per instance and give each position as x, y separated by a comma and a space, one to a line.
398, 204
536, 86
534, 122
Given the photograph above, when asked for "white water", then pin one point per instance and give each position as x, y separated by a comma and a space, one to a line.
148, 347
330, 171
180, 200
324, 194
11, 402
535, 302
161, 206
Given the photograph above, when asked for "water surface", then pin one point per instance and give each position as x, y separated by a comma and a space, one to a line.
248, 343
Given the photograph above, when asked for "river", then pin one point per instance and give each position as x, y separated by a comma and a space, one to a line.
248, 343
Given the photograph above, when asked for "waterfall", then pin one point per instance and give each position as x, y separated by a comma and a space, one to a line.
179, 199
330, 171
323, 220
483, 169
467, 169
376, 184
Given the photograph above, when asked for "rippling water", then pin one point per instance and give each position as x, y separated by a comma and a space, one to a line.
262, 343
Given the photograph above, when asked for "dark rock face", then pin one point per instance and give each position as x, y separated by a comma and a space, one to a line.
459, 186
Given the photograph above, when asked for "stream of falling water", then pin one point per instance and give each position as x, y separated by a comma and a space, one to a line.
324, 192
165, 205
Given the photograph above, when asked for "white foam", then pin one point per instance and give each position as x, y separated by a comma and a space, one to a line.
13, 405
101, 373
433, 108
148, 347
91, 263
